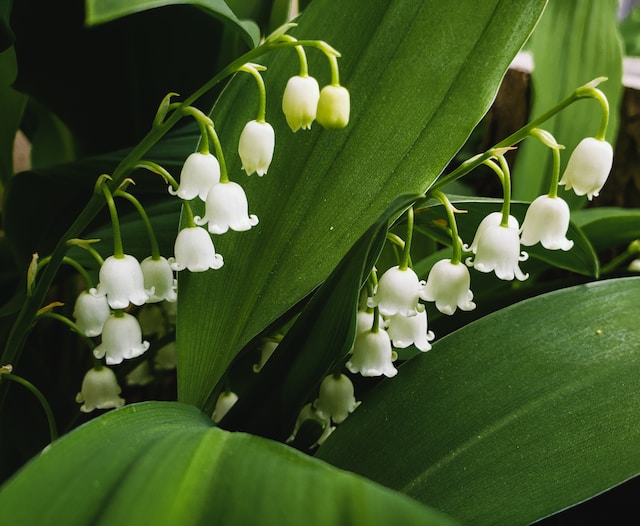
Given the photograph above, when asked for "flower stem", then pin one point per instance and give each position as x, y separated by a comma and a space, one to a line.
555, 174
506, 187
72, 262
224, 175
587, 91
66, 321
53, 430
456, 244
118, 251
406, 252
155, 249
262, 106
163, 124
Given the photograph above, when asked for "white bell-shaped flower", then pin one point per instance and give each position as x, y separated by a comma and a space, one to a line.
300, 102
90, 313
499, 250
308, 412
99, 390
336, 398
255, 147
227, 208
405, 331
334, 106
226, 400
152, 320
194, 251
398, 292
634, 266
372, 355
158, 277
199, 173
547, 221
493, 219
121, 339
448, 285
121, 280
267, 348
588, 167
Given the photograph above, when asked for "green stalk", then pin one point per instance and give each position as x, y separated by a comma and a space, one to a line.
406, 252
456, 244
53, 430
583, 92
118, 251
155, 249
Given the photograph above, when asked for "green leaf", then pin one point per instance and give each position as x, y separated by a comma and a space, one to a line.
514, 417
608, 227
325, 188
164, 464
101, 11
575, 42
581, 258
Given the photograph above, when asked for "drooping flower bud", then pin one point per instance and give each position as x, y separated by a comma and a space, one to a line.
588, 167
372, 355
398, 292
300, 102
90, 312
405, 331
121, 280
199, 173
225, 402
448, 285
256, 145
498, 250
547, 221
121, 339
227, 208
194, 251
336, 398
99, 390
333, 107
158, 277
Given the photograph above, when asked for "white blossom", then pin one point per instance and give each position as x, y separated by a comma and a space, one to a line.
405, 331
588, 167
498, 250
99, 390
300, 102
226, 400
308, 412
336, 398
398, 292
372, 355
227, 208
90, 312
256, 145
158, 276
194, 251
121, 280
199, 173
121, 339
547, 221
448, 285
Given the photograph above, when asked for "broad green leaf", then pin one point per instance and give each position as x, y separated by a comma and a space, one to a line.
581, 258
164, 464
101, 11
575, 42
514, 417
608, 227
421, 75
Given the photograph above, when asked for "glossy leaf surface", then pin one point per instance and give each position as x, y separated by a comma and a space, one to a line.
164, 464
